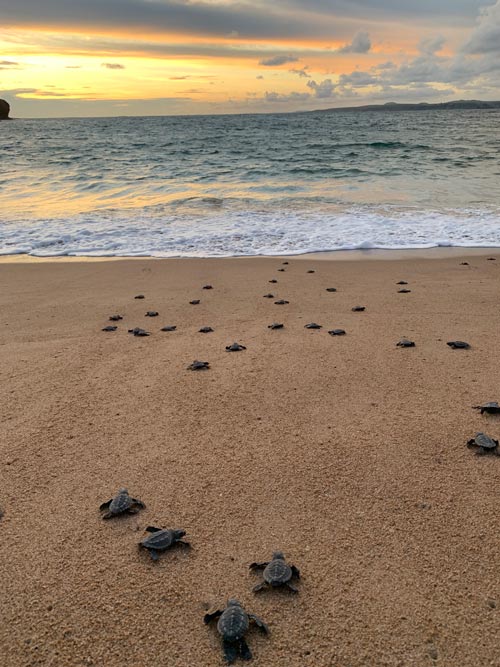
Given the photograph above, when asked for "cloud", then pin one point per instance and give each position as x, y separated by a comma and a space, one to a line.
8, 63
361, 43
112, 66
486, 37
322, 90
275, 61
303, 73
259, 76
431, 45
357, 79
289, 97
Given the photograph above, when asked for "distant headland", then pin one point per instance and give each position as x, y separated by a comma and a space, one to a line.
4, 110
421, 106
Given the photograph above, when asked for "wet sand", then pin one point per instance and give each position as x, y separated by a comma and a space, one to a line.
347, 453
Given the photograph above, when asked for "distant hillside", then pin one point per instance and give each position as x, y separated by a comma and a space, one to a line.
422, 106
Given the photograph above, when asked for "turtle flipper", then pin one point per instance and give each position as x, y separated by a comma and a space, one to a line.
259, 623
212, 616
154, 554
295, 571
259, 587
108, 515
105, 506
133, 510
258, 566
244, 649
291, 588
152, 529
230, 650
184, 544
471, 443
139, 503
480, 451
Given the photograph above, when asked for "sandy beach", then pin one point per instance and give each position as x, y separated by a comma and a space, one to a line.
348, 453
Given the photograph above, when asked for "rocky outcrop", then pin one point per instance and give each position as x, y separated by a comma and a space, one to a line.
4, 110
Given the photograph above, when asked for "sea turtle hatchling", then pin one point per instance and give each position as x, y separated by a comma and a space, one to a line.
232, 625
139, 296
273, 281
115, 318
199, 366
207, 287
281, 302
137, 331
205, 330
404, 342
161, 539
337, 332
170, 327
276, 573
194, 302
491, 408
458, 345
358, 309
109, 328
281, 270
402, 282
275, 325
312, 325
404, 291
285, 263
122, 503
268, 296
311, 271
235, 347
484, 444
151, 313
331, 289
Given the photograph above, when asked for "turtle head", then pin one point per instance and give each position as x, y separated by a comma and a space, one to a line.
233, 603
179, 533
278, 555
123, 491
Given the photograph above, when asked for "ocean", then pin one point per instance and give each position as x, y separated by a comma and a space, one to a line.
280, 184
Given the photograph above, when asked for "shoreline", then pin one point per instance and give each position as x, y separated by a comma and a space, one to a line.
441, 252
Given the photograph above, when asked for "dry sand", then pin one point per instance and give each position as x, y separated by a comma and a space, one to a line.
347, 453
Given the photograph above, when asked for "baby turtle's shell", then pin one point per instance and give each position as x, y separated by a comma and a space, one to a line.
234, 622
312, 325
194, 302
277, 572
137, 331
281, 302
402, 282
490, 408
207, 287
152, 313
275, 325
268, 296
311, 271
458, 345
484, 443
206, 330
464, 263
199, 366
110, 328
285, 263
235, 347
139, 296
358, 309
169, 328
273, 280
404, 342
337, 332
331, 289
161, 539
115, 318
404, 291
281, 270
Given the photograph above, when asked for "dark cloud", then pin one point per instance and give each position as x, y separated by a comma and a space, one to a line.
245, 19
112, 66
431, 45
325, 89
486, 37
361, 43
275, 61
290, 97
303, 73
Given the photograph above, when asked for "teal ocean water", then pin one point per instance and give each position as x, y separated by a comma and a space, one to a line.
249, 185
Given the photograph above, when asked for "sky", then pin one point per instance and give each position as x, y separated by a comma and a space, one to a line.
159, 57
